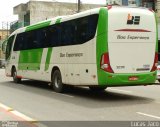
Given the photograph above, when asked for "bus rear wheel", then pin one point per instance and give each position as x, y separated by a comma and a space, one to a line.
97, 88
14, 74
57, 81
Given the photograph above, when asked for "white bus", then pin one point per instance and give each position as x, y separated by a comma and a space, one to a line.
98, 48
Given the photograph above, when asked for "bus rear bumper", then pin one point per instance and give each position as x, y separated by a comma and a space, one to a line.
128, 79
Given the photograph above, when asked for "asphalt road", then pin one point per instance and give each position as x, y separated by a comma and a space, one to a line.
36, 100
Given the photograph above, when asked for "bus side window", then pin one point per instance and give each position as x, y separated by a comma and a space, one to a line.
39, 38
19, 42
31, 42
55, 35
67, 34
9, 47
45, 38
92, 25
82, 30
86, 28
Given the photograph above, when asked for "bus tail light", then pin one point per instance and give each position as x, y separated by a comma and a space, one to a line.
150, 9
155, 64
105, 63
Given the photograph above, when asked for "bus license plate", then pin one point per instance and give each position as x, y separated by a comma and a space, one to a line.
133, 78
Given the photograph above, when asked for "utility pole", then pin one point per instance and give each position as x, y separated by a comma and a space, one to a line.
79, 6
5, 30
5, 34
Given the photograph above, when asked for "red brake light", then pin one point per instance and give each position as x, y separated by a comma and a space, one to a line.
155, 64
150, 9
105, 63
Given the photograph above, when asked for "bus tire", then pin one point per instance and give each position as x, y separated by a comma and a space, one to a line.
57, 81
97, 88
159, 80
14, 74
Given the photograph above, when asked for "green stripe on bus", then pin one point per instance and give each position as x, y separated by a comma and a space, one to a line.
49, 53
58, 20
102, 42
37, 26
156, 32
48, 58
30, 59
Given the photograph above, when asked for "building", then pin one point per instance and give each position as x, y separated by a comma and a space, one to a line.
138, 3
3, 35
35, 11
157, 8
110, 2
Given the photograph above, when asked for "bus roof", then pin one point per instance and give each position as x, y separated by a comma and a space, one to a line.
51, 21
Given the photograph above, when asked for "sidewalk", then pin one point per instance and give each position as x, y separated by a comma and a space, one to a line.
7, 116
9, 119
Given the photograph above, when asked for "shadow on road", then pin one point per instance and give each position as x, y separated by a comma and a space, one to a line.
79, 95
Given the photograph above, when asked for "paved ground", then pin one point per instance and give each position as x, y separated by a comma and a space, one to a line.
35, 101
